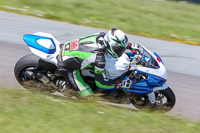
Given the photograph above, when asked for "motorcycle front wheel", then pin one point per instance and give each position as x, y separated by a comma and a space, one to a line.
165, 101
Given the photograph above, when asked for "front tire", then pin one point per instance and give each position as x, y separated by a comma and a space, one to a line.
165, 101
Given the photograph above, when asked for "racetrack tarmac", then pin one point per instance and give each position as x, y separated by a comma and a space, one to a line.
183, 69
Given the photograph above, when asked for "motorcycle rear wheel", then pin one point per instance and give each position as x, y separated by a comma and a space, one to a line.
25, 72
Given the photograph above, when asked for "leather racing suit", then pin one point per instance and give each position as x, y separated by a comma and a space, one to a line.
82, 53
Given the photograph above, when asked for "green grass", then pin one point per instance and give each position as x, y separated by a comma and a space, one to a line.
168, 20
30, 112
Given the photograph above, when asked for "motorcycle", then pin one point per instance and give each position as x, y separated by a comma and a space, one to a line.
147, 90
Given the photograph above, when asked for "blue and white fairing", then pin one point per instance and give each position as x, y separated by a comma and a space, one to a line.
43, 45
153, 67
157, 67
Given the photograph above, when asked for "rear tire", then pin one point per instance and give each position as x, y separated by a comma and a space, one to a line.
23, 63
28, 69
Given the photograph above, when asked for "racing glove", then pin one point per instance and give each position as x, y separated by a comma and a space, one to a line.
133, 47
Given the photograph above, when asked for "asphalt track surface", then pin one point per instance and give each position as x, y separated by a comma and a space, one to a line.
181, 60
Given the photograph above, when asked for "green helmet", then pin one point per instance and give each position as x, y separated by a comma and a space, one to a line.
115, 42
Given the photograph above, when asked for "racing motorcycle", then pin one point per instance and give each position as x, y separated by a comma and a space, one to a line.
147, 88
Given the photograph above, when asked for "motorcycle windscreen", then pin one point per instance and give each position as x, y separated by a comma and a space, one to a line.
44, 44
148, 61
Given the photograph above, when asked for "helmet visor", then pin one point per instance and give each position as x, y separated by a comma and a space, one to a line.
119, 50
120, 47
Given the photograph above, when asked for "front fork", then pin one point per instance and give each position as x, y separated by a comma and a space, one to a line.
152, 97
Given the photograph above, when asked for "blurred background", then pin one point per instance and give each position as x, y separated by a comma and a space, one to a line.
176, 20
171, 28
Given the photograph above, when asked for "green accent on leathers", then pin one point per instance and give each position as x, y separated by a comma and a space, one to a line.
88, 66
79, 54
103, 86
91, 38
81, 82
86, 92
97, 71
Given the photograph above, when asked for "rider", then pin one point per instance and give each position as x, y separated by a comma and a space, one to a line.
89, 52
